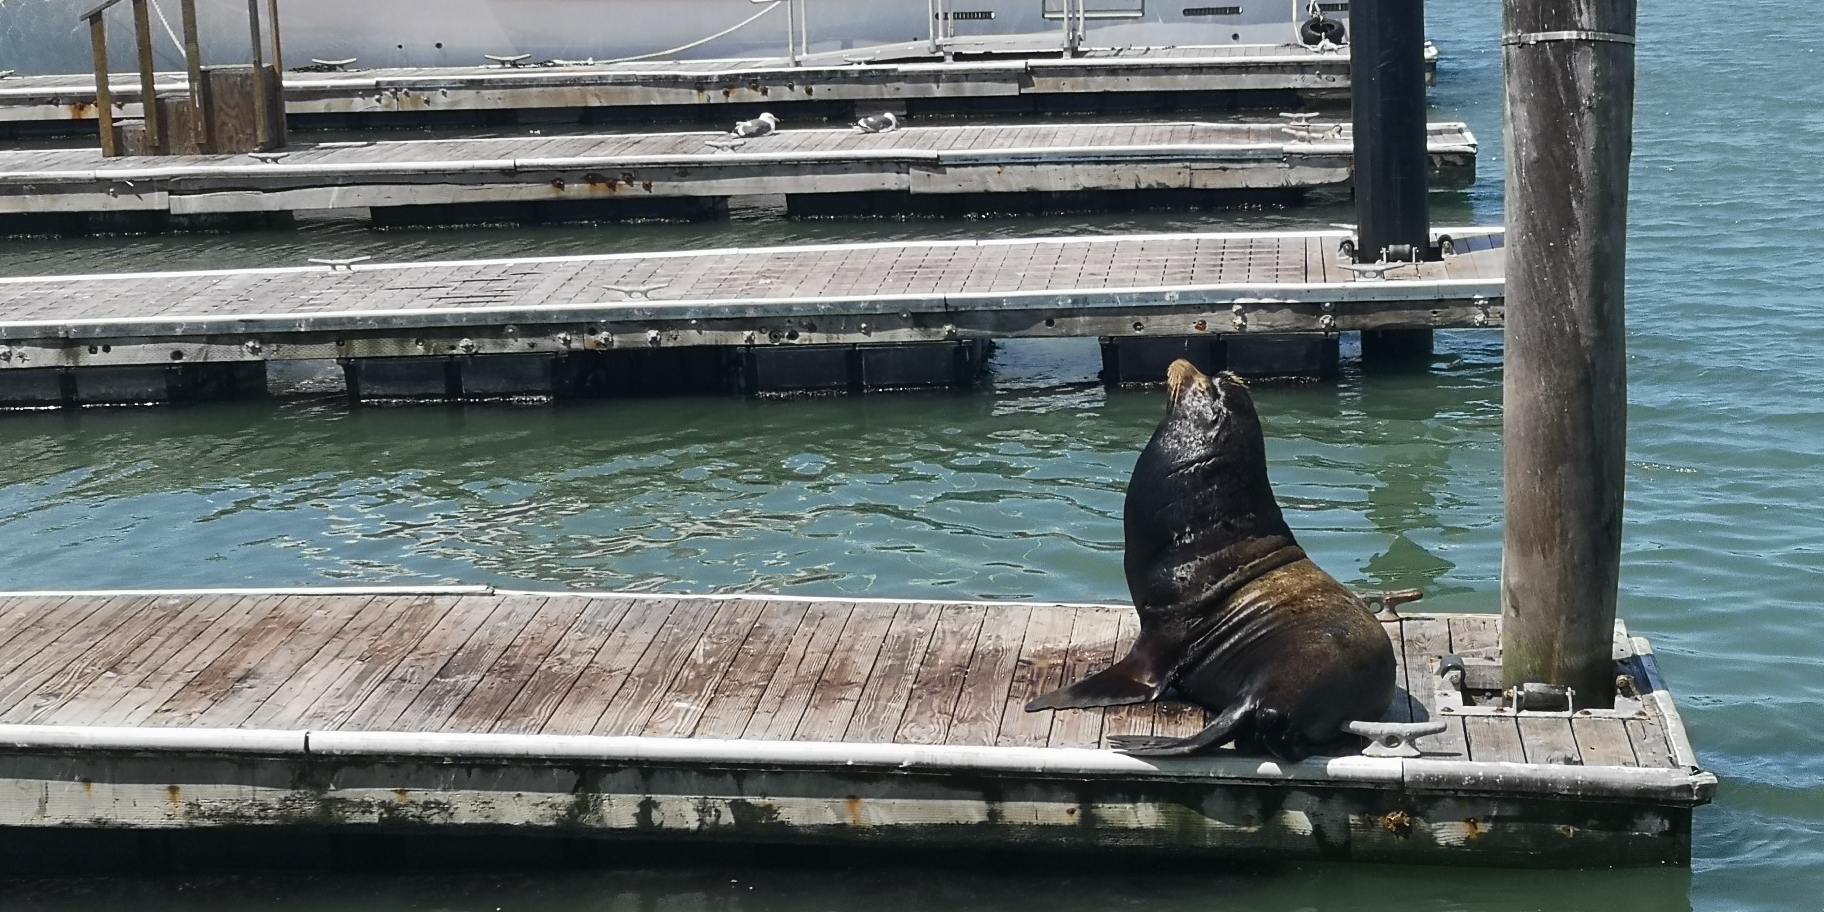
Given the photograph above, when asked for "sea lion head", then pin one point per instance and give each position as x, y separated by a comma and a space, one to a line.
1200, 504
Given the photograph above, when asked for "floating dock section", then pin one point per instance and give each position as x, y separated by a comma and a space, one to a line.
827, 317
942, 170
771, 720
862, 81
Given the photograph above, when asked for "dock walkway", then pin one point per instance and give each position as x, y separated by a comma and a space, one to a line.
774, 304
593, 177
1117, 79
741, 718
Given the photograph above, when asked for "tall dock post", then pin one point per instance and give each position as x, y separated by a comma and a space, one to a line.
1393, 218
1570, 110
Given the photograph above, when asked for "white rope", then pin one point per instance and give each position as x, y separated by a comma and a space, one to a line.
166, 23
701, 41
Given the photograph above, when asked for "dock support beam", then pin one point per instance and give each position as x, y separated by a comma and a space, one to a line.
1570, 108
1393, 219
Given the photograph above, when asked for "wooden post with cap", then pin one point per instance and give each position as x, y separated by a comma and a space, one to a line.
1570, 109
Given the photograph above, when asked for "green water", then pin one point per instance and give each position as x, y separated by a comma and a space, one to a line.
1014, 492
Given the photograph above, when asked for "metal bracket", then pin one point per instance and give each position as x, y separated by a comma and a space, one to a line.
1393, 739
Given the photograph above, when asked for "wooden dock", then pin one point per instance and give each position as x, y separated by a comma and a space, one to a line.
1115, 79
772, 719
790, 317
820, 171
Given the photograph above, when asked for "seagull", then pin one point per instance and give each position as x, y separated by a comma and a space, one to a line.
878, 123
759, 126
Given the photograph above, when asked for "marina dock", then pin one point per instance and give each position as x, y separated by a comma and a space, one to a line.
775, 720
944, 170
906, 79
825, 317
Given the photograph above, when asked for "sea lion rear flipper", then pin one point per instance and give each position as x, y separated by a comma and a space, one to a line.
1141, 677
1220, 731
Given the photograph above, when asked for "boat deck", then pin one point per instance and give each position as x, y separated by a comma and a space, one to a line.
769, 718
602, 176
1258, 76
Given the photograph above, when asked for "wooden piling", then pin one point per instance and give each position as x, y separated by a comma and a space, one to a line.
142, 41
1393, 219
1570, 97
104, 95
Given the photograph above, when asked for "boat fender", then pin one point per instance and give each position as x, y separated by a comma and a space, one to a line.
1319, 29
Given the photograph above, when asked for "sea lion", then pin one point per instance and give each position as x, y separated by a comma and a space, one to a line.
1233, 616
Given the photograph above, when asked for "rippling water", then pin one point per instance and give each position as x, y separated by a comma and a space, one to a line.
1014, 492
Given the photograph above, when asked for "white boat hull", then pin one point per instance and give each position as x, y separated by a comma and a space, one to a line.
41, 36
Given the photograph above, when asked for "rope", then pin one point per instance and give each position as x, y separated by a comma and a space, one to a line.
701, 41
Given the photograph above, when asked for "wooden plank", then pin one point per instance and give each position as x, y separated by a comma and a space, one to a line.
938, 684
83, 705
1425, 640
681, 706
1493, 739
882, 703
451, 685
321, 618
1548, 739
1136, 719
1651, 749
783, 702
658, 665
555, 621
758, 662
1092, 649
569, 665
292, 704
36, 630
1603, 742
172, 674
989, 677
1402, 708
86, 667
366, 668
95, 622
600, 674
17, 614
384, 706
1476, 636
1040, 670
832, 695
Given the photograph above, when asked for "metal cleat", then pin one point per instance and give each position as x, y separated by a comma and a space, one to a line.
335, 264
508, 60
1373, 272
638, 292
333, 66
1386, 604
1393, 739
270, 158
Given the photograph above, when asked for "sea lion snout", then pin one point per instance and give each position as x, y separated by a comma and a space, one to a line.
1183, 378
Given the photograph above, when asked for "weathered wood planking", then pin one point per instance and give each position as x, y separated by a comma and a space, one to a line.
932, 291
784, 669
607, 169
408, 95
749, 718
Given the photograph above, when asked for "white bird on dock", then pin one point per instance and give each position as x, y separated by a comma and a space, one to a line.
878, 123
759, 126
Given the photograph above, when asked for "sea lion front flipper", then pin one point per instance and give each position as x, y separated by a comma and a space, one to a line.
1220, 731
1141, 677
